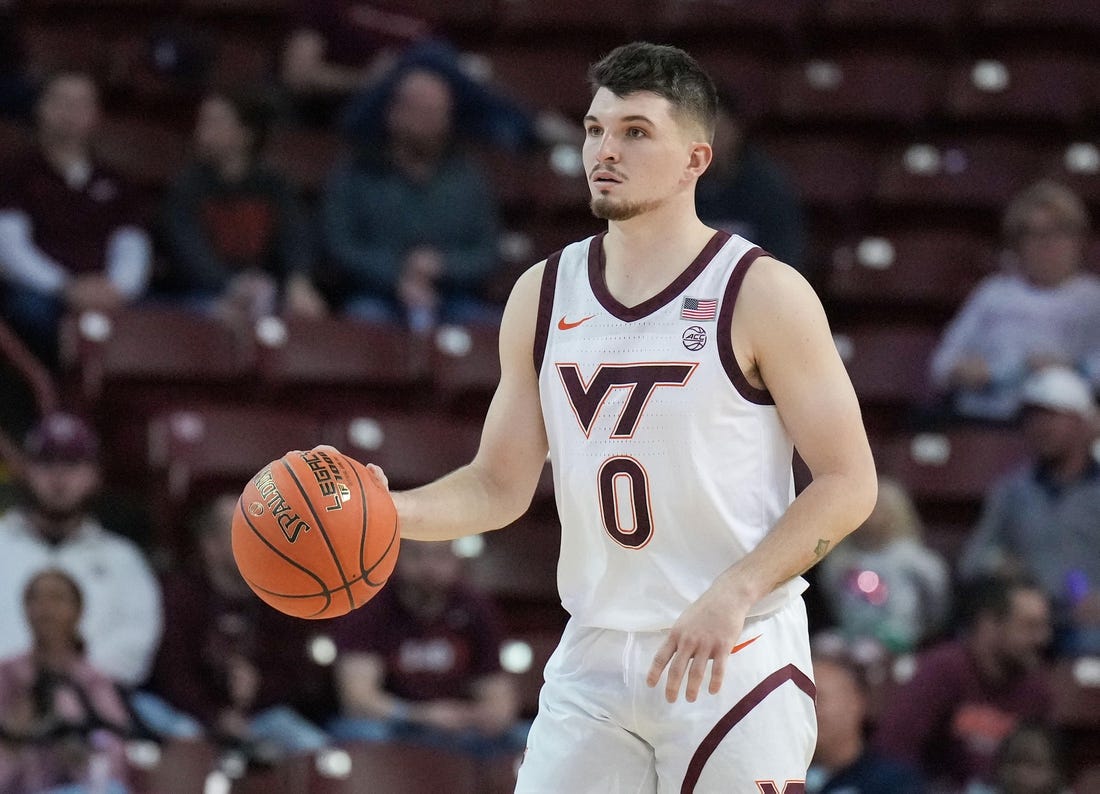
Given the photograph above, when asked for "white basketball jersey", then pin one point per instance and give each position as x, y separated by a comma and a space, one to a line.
668, 465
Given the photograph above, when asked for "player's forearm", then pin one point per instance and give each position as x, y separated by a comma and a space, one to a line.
465, 502
828, 509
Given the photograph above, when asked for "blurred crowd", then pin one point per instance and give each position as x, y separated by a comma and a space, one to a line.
933, 669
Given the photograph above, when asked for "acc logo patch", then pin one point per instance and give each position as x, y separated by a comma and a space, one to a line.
695, 337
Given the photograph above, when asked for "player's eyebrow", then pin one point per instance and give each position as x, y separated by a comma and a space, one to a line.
624, 119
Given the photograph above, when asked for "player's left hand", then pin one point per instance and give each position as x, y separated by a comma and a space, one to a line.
706, 631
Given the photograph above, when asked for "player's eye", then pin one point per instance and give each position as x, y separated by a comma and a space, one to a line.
636, 132
593, 131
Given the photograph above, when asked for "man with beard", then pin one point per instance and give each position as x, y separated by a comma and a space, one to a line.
53, 528
669, 370
966, 695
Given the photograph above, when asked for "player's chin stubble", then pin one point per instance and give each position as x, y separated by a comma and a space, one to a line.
607, 210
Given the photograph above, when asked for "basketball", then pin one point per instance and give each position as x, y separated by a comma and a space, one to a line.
314, 534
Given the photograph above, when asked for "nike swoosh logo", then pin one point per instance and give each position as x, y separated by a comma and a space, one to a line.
565, 326
745, 644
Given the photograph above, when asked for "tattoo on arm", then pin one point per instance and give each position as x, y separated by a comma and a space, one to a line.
820, 550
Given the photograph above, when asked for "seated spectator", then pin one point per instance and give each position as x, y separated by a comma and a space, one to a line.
745, 192
52, 528
62, 722
230, 667
1042, 311
409, 226
843, 762
1029, 761
967, 694
238, 241
71, 237
337, 48
421, 662
1042, 520
882, 582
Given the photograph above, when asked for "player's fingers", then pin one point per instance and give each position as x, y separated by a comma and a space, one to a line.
718, 671
660, 660
676, 670
695, 677
379, 475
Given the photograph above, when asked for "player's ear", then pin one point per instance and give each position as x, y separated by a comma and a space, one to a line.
699, 158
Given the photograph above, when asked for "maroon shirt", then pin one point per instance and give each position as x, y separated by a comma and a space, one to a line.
426, 660
949, 721
202, 629
72, 226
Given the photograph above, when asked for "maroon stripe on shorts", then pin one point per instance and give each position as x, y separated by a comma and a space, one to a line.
740, 710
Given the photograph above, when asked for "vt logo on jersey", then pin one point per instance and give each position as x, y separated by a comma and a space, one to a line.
587, 397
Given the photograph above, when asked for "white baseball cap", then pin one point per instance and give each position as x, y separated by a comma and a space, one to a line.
1060, 389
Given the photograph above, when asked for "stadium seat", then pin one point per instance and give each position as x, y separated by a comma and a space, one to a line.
545, 77
1077, 165
176, 767
939, 17
16, 140
835, 174
304, 155
148, 153
925, 269
412, 446
617, 17
701, 18
1037, 90
1038, 15
152, 347
753, 79
465, 366
337, 362
888, 365
957, 175
397, 768
957, 465
520, 562
864, 88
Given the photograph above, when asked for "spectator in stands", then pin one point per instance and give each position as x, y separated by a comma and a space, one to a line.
745, 192
1029, 761
230, 667
1042, 520
409, 225
1043, 310
421, 661
337, 48
843, 761
238, 240
350, 56
62, 722
882, 582
71, 237
967, 694
52, 528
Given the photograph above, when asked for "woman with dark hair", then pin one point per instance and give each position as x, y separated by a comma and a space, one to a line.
238, 239
61, 721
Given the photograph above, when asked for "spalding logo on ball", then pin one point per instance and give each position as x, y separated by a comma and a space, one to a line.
314, 534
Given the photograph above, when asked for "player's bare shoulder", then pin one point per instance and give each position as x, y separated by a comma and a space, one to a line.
517, 328
776, 307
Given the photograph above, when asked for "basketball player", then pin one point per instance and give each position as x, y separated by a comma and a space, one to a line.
670, 370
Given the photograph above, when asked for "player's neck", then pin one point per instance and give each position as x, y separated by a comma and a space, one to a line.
643, 255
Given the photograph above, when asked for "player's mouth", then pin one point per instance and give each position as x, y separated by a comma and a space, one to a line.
602, 177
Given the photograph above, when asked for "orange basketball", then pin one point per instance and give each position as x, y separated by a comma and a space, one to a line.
314, 534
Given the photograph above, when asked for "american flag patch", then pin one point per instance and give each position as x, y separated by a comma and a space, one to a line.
699, 309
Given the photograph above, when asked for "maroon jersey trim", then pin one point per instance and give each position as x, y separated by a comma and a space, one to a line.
597, 263
739, 711
546, 305
725, 337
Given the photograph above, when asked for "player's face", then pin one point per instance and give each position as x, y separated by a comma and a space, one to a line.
218, 131
638, 154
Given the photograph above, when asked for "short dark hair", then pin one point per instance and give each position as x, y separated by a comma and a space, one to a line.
991, 595
663, 70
